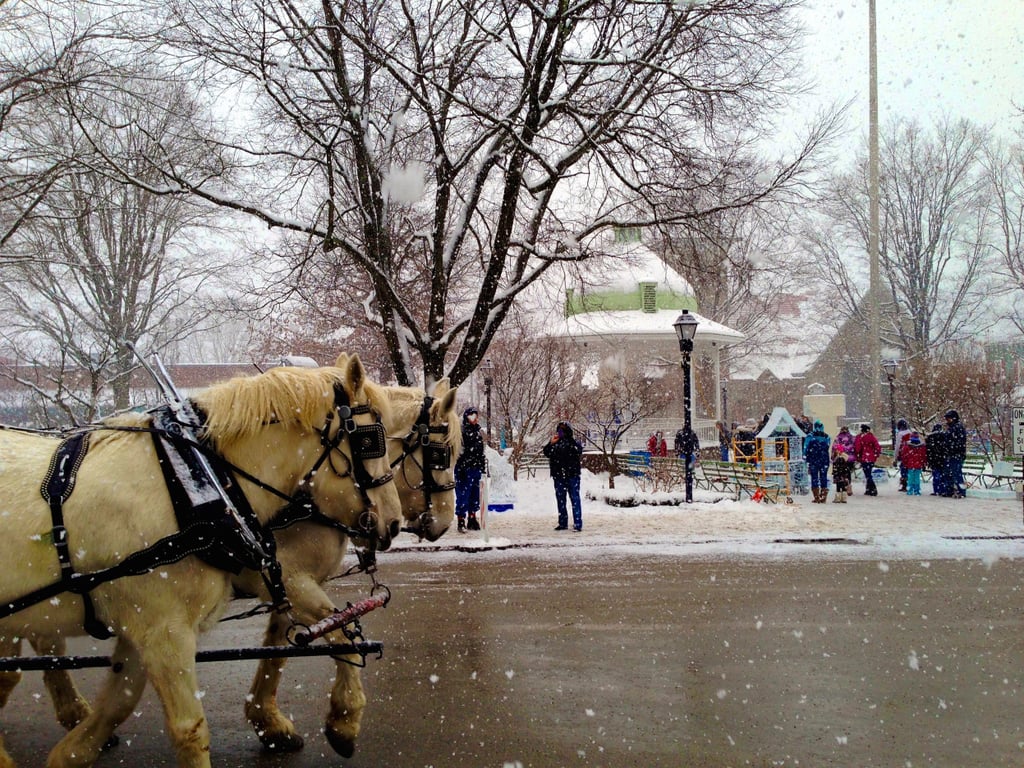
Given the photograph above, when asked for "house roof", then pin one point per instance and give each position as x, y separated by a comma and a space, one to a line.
618, 324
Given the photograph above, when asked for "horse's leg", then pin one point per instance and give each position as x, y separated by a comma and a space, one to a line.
8, 681
171, 668
347, 703
276, 732
117, 698
347, 698
68, 704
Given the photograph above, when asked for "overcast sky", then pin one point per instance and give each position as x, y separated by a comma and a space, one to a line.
961, 57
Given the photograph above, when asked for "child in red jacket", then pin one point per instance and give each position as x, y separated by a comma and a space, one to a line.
913, 456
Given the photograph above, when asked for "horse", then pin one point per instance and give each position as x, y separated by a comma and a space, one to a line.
426, 487
424, 478
283, 433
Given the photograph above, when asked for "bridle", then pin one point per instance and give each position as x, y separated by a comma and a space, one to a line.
436, 456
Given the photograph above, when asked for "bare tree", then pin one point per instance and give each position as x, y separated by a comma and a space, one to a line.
1004, 166
102, 262
623, 397
530, 371
932, 244
454, 151
44, 51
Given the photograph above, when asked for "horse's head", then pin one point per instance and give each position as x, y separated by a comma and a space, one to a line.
357, 450
315, 432
423, 439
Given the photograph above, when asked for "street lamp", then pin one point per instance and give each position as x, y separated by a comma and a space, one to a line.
890, 366
487, 367
686, 327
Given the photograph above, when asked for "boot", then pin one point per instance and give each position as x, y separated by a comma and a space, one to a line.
838, 498
903, 484
842, 497
462, 525
820, 494
472, 524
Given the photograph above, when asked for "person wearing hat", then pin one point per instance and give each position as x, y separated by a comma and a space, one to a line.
866, 451
816, 454
914, 456
564, 452
469, 467
956, 452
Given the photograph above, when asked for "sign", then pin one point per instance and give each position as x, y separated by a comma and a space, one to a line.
1017, 420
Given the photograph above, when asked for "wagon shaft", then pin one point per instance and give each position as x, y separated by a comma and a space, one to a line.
46, 663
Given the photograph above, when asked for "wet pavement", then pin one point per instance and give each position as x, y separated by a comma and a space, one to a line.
637, 660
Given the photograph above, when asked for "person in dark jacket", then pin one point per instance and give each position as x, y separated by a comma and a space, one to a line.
935, 447
817, 454
469, 467
563, 452
687, 446
956, 452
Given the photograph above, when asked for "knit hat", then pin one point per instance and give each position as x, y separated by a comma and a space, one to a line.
865, 427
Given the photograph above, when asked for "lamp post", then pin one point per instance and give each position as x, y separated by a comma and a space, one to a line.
890, 366
487, 367
685, 327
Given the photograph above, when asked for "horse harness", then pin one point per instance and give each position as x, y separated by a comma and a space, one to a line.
204, 530
437, 455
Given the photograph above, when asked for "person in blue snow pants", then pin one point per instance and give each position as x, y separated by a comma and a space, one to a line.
818, 455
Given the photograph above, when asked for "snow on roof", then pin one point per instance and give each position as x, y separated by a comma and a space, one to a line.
779, 421
619, 323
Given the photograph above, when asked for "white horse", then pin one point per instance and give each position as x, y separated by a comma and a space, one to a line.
424, 437
281, 427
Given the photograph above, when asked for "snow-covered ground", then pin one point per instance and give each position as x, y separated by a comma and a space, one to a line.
889, 526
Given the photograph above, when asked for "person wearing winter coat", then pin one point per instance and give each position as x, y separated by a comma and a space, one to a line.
687, 444
935, 447
842, 473
656, 445
866, 451
956, 452
469, 467
903, 431
564, 452
914, 455
817, 447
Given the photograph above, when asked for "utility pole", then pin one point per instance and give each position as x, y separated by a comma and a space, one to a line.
875, 289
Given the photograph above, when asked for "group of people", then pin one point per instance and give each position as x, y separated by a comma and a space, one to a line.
942, 451
563, 452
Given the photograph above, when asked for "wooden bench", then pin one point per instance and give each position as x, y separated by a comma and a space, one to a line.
736, 478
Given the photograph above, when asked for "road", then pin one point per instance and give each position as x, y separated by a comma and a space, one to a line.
634, 660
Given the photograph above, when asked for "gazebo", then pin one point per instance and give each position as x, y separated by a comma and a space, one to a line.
632, 309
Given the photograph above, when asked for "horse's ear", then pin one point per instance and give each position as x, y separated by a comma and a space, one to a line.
446, 404
441, 388
355, 374
342, 360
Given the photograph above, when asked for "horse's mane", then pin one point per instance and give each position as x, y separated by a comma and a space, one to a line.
303, 397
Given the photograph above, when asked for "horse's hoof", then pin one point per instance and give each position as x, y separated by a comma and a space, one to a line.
343, 745
282, 742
